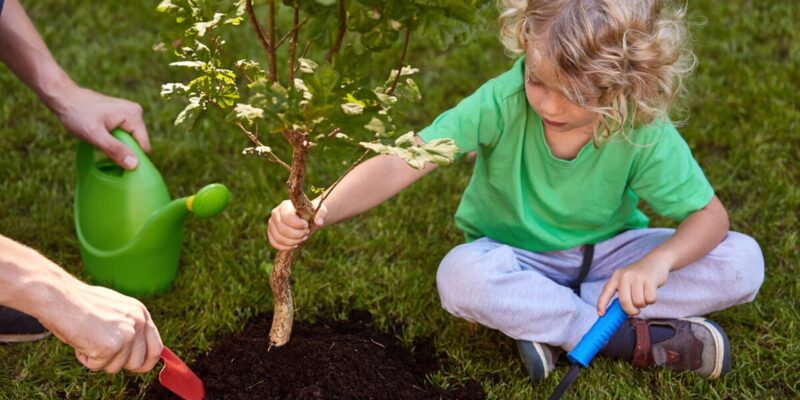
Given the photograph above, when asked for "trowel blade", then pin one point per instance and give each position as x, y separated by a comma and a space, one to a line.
178, 378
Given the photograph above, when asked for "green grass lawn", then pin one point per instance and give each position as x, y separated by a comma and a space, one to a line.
743, 129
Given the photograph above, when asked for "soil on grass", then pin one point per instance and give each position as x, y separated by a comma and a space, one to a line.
325, 360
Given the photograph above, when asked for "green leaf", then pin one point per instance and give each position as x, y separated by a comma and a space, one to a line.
166, 5
307, 66
352, 99
248, 112
189, 64
202, 27
343, 136
170, 89
259, 150
361, 18
351, 108
322, 84
251, 67
233, 21
380, 37
405, 139
300, 85
385, 99
439, 151
376, 125
405, 71
443, 147
190, 112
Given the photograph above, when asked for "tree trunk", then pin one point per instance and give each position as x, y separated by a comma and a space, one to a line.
280, 279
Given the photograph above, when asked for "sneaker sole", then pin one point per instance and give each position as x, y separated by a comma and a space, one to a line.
536, 370
719, 344
23, 338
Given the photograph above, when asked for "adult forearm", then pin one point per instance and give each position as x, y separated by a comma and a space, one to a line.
108, 331
695, 237
370, 184
29, 281
25, 53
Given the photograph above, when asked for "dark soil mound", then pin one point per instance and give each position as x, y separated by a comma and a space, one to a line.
326, 360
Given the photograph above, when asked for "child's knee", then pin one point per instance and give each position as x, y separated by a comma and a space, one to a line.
747, 264
464, 275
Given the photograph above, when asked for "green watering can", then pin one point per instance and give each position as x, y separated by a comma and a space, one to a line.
129, 231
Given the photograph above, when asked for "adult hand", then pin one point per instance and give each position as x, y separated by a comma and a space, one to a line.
636, 284
286, 230
85, 113
90, 116
109, 331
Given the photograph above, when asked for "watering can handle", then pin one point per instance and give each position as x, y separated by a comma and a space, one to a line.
86, 159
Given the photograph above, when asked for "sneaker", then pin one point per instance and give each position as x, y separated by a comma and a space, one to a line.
17, 327
539, 358
698, 345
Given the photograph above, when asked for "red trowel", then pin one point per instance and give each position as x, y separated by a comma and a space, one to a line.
179, 379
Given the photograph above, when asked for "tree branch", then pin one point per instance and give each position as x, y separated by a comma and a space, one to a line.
215, 44
293, 44
300, 146
262, 38
333, 132
279, 280
305, 50
402, 59
273, 62
257, 142
303, 54
249, 134
342, 30
287, 34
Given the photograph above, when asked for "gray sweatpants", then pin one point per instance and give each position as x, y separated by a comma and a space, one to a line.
526, 295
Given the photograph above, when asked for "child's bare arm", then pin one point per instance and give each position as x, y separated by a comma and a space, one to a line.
696, 236
366, 186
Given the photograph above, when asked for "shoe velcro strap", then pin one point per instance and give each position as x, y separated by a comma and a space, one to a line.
642, 351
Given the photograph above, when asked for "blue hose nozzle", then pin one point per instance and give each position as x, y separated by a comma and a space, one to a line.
598, 335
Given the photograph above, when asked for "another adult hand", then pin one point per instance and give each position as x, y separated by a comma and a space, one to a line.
286, 230
90, 116
109, 331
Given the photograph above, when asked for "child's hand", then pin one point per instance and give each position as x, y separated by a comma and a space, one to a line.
287, 230
636, 284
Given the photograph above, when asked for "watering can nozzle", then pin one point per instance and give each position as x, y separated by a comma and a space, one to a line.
209, 201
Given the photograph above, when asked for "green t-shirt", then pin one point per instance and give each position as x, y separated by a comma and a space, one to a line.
523, 196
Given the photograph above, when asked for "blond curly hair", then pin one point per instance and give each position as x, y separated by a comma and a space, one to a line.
626, 60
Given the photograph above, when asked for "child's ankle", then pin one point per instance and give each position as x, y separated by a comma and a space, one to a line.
623, 343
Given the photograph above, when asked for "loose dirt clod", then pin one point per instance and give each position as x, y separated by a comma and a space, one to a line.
326, 360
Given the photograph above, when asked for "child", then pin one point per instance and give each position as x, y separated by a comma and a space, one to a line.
568, 141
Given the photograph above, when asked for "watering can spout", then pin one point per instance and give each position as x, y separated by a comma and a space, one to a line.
163, 223
209, 201
129, 230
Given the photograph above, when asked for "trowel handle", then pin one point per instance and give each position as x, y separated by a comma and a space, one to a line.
598, 335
